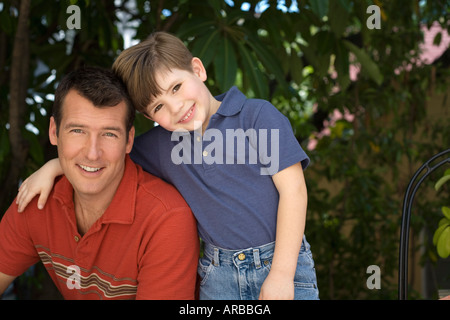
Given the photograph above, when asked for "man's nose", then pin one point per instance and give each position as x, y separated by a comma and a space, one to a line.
93, 148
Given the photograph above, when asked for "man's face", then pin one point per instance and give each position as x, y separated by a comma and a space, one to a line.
92, 144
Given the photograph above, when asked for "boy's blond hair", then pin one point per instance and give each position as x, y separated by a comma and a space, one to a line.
137, 66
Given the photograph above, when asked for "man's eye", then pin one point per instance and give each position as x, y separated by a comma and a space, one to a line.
76, 131
110, 134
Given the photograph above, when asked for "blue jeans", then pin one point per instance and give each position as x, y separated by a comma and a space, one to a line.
239, 274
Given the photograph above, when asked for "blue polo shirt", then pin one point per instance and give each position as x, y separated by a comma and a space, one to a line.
225, 175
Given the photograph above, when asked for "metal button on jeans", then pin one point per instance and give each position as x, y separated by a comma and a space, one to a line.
241, 256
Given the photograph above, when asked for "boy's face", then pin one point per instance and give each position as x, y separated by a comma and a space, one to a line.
185, 102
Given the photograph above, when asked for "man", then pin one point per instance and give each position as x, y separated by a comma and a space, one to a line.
109, 230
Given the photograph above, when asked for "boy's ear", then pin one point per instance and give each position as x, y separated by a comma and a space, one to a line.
199, 68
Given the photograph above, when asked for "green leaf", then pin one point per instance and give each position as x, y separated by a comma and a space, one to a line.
252, 72
446, 212
342, 66
295, 65
443, 221
437, 39
442, 180
438, 232
36, 152
339, 18
320, 7
367, 63
205, 47
443, 244
268, 60
194, 26
225, 65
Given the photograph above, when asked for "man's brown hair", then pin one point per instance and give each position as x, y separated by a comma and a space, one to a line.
137, 66
100, 86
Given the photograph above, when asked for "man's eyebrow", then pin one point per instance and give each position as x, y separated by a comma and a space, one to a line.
119, 129
73, 125
77, 125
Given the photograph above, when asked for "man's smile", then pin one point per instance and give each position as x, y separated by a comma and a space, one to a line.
89, 169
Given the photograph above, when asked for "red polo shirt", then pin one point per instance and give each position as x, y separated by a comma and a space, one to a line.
145, 245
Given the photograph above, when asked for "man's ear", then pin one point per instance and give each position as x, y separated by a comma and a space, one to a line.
52, 132
130, 140
199, 68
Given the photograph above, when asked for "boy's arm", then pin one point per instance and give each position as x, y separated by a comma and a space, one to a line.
291, 186
40, 182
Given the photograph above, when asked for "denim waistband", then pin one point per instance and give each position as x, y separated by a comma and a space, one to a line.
238, 257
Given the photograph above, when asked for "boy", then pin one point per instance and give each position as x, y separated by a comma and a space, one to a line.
251, 217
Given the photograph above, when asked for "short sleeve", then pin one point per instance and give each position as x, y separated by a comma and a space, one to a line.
17, 251
277, 143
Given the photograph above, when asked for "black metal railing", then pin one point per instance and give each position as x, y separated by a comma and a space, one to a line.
406, 214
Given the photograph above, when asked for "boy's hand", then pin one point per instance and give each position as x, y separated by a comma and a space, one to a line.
277, 286
40, 182
29, 189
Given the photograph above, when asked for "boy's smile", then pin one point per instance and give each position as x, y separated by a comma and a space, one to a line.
184, 99
189, 115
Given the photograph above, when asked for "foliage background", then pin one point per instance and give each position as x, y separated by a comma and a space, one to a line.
298, 55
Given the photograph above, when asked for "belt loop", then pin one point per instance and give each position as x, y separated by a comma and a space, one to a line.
216, 257
256, 258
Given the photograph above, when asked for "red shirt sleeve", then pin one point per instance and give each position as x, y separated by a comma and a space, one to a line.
17, 252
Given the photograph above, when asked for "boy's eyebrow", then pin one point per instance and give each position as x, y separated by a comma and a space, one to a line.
172, 84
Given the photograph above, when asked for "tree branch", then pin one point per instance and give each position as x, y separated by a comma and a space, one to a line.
18, 90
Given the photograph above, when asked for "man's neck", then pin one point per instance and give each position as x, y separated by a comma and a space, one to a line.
88, 210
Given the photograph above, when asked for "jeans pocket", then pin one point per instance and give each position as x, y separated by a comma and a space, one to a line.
305, 280
204, 268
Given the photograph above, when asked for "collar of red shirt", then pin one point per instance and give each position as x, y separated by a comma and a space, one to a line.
122, 207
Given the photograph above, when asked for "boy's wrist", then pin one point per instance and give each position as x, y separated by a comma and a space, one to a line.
282, 273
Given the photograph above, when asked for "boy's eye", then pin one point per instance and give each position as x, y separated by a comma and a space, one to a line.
176, 88
157, 108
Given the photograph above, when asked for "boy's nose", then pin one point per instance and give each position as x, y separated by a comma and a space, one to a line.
176, 106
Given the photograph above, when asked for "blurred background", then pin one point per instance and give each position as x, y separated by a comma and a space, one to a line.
364, 83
